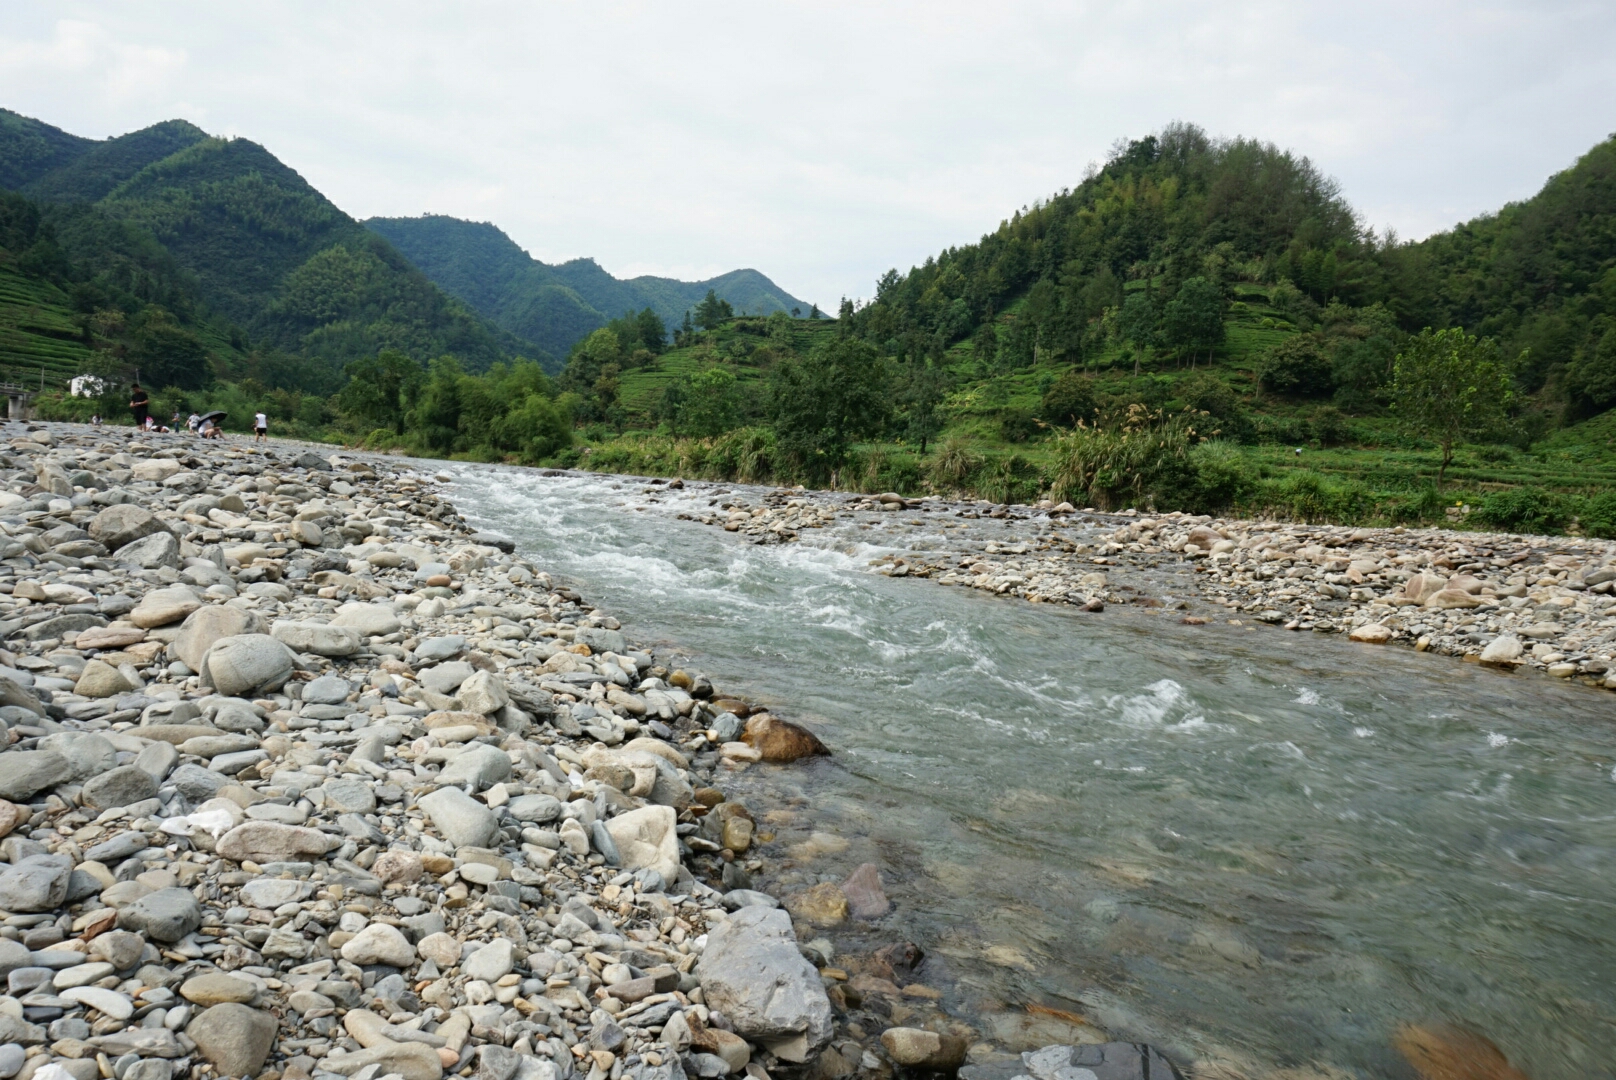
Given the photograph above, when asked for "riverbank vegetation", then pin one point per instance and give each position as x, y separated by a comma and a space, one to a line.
1200, 324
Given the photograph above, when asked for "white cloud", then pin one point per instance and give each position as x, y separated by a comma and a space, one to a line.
822, 143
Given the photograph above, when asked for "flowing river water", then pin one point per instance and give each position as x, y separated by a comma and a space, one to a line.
1237, 843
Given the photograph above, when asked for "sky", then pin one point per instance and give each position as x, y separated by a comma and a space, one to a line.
822, 143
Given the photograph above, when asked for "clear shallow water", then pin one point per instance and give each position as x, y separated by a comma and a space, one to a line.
1235, 842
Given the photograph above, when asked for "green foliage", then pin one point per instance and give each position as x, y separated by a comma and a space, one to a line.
823, 402
379, 390
1110, 468
1597, 515
1525, 509
1298, 366
1448, 384
920, 398
712, 310
1070, 400
709, 403
1590, 379
1193, 319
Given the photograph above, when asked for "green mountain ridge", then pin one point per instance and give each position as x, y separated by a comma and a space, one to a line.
228, 243
556, 305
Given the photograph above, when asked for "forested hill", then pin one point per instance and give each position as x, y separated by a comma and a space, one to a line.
221, 245
557, 305
1103, 266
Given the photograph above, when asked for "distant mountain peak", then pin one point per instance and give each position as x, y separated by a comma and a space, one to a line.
555, 305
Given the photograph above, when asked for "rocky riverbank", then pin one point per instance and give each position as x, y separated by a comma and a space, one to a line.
302, 778
1535, 602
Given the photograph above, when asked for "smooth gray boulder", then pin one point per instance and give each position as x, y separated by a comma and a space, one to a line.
165, 915
25, 773
446, 678
480, 765
600, 640
534, 808
37, 883
119, 787
150, 552
440, 648
196, 783
752, 972
246, 663
86, 754
321, 639
462, 820
124, 524
158, 759
235, 1038
327, 690
371, 620
208, 624
349, 797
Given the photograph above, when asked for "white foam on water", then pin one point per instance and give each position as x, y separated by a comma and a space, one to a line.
1307, 697
1496, 740
1364, 732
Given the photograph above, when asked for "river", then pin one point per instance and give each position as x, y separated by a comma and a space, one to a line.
1238, 843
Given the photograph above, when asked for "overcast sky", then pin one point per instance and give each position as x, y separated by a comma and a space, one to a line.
822, 143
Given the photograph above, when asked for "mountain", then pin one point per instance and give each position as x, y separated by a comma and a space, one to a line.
220, 234
556, 305
1092, 274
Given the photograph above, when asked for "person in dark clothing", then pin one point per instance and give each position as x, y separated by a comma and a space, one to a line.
139, 402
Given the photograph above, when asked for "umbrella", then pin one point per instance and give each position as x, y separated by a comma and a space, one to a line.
217, 416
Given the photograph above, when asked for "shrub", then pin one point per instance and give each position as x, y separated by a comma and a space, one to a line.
953, 465
1017, 425
1527, 509
1598, 515
1009, 479
1219, 476
1119, 467
1070, 400
1299, 366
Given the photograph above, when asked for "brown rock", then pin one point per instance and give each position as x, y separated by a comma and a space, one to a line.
916, 1048
780, 741
899, 959
271, 841
1441, 1052
400, 866
865, 897
1371, 634
109, 637
11, 815
822, 905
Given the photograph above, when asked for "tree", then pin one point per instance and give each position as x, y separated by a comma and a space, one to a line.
922, 393
825, 401
1193, 319
1590, 378
1138, 323
653, 334
380, 389
709, 405
1447, 384
435, 419
1070, 400
712, 310
1298, 366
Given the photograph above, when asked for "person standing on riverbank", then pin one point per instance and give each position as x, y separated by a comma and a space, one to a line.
139, 402
260, 427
